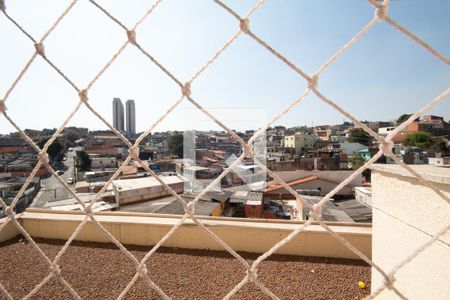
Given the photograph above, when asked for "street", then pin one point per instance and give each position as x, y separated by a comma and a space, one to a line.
52, 190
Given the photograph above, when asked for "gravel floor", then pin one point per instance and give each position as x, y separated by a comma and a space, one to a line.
101, 271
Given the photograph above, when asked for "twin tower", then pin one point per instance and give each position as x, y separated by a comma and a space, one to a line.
118, 116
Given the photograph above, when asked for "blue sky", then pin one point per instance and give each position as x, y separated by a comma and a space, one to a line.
382, 76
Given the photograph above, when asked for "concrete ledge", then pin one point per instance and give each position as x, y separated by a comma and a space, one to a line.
255, 236
9, 231
431, 173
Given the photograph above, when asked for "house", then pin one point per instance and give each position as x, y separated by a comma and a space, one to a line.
384, 131
145, 188
277, 191
364, 153
299, 141
247, 204
103, 162
210, 204
439, 161
323, 133
428, 123
347, 148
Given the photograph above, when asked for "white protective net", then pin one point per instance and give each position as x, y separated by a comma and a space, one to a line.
243, 27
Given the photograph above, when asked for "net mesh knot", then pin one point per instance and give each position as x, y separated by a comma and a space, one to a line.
186, 89
134, 151
381, 12
386, 147
312, 82
55, 270
245, 25
40, 49
83, 96
190, 208
248, 151
131, 34
389, 282
2, 106
9, 211
252, 275
43, 157
88, 210
141, 269
316, 211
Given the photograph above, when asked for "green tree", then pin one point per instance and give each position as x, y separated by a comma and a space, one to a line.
358, 135
425, 141
421, 139
83, 160
357, 161
403, 118
175, 144
71, 134
55, 150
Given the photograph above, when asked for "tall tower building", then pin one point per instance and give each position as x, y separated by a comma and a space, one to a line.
131, 117
118, 114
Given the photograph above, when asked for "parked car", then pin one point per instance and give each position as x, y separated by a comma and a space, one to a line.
70, 181
59, 172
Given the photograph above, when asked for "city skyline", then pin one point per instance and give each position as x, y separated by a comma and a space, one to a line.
381, 77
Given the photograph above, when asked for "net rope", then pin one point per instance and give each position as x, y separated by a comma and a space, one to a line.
243, 28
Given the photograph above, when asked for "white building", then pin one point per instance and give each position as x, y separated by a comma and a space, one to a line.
439, 161
300, 140
103, 162
350, 148
384, 131
363, 195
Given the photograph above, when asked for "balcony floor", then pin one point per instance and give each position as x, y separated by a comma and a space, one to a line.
101, 271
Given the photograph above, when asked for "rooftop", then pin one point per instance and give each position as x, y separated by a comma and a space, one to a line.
101, 271
145, 182
170, 205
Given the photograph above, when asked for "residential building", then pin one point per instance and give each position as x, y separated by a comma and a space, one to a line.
384, 131
146, 188
300, 141
103, 162
439, 161
118, 118
277, 191
323, 133
131, 118
364, 153
347, 148
428, 123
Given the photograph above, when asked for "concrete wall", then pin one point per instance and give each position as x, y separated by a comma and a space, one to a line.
405, 215
8, 232
136, 195
241, 234
103, 162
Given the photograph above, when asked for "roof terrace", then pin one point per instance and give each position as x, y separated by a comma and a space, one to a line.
100, 271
